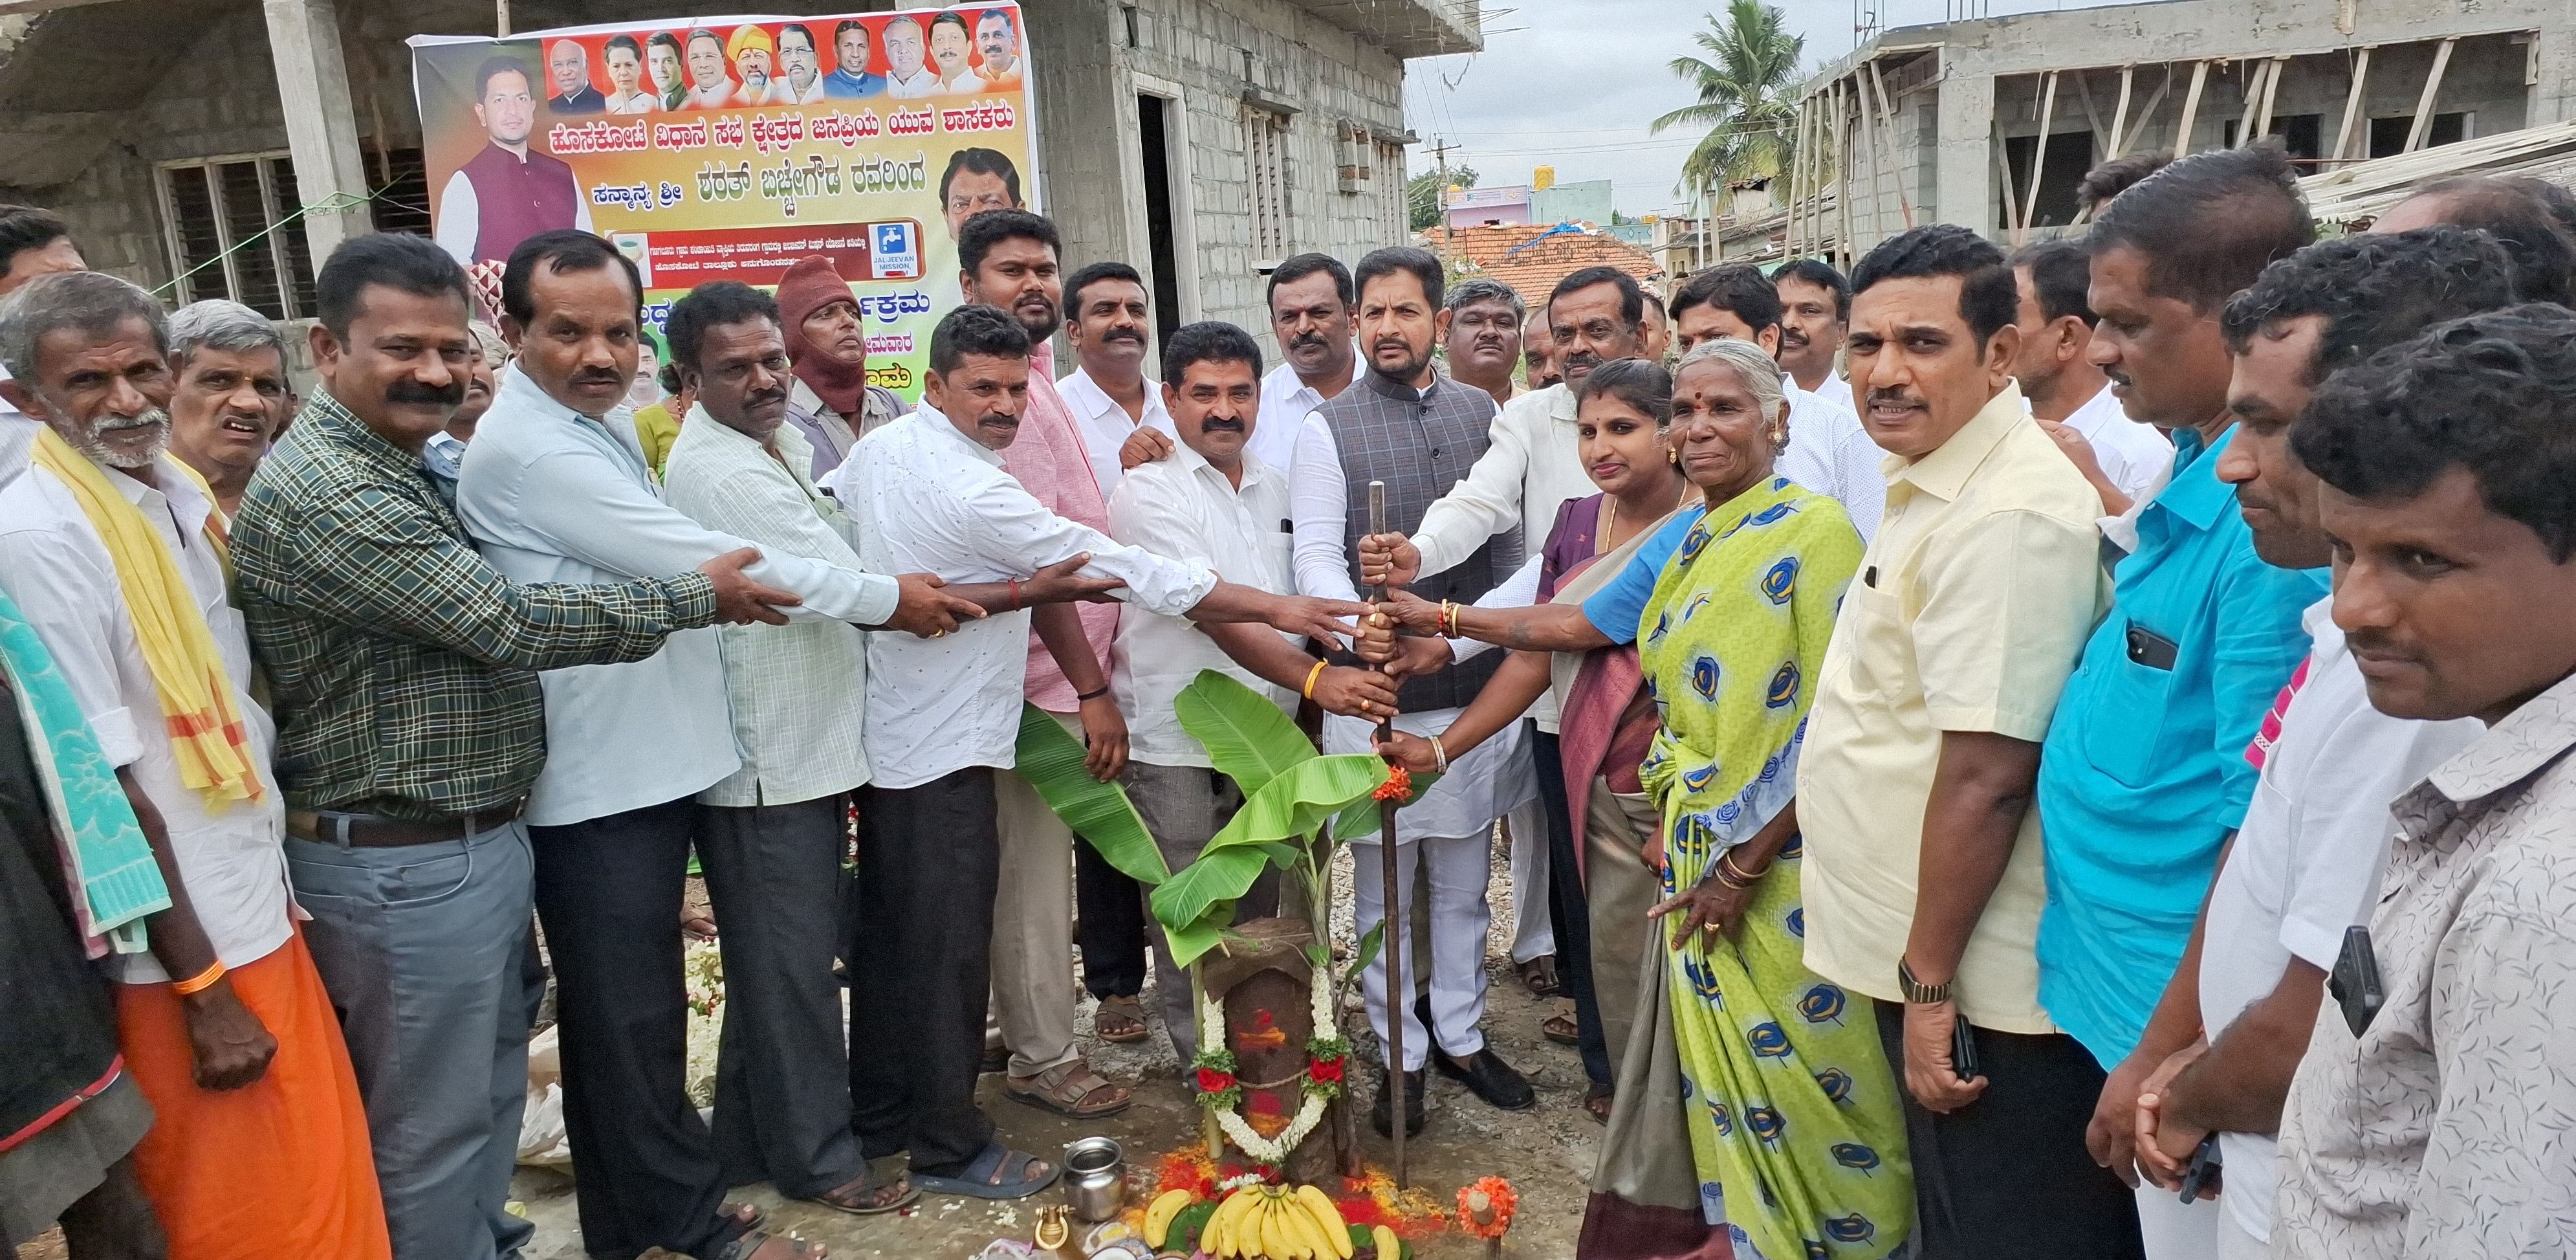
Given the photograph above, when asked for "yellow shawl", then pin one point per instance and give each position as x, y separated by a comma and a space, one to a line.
206, 732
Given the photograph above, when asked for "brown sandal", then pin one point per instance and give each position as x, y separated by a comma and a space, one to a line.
865, 1195
1071, 1090
1538, 975
1596, 1103
1561, 1029
1120, 1020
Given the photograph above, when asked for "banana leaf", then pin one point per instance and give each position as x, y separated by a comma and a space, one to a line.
1244, 733
1286, 809
1050, 759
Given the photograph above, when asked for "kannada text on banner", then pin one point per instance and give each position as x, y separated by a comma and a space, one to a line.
729, 148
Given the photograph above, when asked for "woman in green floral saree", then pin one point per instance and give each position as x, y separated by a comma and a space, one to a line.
1794, 1124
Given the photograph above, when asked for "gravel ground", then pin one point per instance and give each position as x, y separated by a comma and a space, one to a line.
1546, 1151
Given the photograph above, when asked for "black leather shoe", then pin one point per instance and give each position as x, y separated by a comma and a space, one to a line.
1488, 1077
1381, 1115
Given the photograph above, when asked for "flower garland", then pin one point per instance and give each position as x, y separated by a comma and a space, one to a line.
1221, 1092
1500, 1201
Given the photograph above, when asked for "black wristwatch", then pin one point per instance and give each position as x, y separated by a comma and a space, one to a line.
1916, 991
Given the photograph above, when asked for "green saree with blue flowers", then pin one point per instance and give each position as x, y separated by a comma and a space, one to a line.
1796, 1129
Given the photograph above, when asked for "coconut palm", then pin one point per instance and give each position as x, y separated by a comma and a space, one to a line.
1742, 85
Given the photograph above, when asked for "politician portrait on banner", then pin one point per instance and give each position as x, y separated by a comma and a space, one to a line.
728, 148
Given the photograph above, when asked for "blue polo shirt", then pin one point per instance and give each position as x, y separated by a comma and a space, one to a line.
2143, 774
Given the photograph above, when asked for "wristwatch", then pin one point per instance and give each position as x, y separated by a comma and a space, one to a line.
1916, 991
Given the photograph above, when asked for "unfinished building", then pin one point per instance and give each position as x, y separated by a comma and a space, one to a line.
1992, 122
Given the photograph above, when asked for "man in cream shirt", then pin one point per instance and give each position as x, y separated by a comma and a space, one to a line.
1923, 879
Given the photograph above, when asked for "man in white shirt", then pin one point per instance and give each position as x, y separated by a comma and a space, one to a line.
33, 242
942, 716
555, 489
225, 1017
1108, 322
1828, 452
1815, 316
801, 80
770, 834
2306, 863
2067, 392
1310, 299
907, 75
1210, 503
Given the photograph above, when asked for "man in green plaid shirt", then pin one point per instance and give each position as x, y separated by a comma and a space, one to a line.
403, 672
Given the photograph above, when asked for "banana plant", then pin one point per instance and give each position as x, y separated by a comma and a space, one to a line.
1290, 792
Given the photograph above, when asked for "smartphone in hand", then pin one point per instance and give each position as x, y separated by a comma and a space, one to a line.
2354, 982
1963, 1048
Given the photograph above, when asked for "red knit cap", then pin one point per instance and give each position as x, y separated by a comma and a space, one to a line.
805, 289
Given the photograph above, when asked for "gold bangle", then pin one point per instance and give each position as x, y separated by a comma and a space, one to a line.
201, 981
1311, 676
1727, 860
1439, 756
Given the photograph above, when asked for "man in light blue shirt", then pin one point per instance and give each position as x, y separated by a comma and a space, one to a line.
2142, 777
555, 489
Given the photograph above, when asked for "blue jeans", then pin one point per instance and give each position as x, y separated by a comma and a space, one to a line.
420, 947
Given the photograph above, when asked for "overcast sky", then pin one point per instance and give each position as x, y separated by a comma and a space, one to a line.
1574, 83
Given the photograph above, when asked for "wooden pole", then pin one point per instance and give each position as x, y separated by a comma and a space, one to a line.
2271, 94
2254, 82
2120, 115
2190, 109
1843, 166
1887, 136
2012, 195
2352, 104
2038, 159
1869, 143
1399, 995
2424, 104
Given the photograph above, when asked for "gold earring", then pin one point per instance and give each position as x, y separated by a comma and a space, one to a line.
1673, 456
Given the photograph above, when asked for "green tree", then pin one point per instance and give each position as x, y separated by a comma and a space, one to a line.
1743, 86
1422, 194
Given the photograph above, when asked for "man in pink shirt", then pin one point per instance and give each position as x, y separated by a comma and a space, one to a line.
1008, 259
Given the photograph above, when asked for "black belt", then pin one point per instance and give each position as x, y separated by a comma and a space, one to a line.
375, 831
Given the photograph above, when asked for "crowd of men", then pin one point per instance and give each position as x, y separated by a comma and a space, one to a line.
2207, 780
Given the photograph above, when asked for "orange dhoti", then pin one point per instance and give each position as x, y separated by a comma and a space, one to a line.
278, 1168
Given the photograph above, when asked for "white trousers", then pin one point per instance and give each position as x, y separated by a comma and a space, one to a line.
1533, 932
2235, 1242
1458, 867
2174, 1230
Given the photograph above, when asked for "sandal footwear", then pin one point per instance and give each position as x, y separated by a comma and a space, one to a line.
866, 1195
977, 1179
1561, 1029
1120, 1020
1538, 975
1068, 1089
1596, 1103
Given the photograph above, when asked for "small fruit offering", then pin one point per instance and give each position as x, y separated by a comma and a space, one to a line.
1158, 1217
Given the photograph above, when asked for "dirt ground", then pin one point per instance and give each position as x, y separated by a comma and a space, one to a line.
1546, 1152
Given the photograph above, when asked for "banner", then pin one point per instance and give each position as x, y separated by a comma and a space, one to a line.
728, 148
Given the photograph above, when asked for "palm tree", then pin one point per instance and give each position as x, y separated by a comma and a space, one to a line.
1742, 86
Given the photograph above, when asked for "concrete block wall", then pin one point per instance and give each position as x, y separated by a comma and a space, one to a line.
1090, 75
218, 97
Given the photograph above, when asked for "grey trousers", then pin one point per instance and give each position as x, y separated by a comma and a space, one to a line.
1183, 806
782, 1110
420, 948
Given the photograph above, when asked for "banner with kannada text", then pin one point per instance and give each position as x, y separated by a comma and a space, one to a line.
728, 148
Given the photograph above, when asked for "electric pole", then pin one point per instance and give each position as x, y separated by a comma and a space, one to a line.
1440, 195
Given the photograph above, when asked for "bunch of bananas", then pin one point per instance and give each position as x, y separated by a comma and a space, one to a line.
1260, 1222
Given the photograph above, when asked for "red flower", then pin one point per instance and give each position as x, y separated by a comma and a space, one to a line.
1325, 1069
1212, 1081
1398, 785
